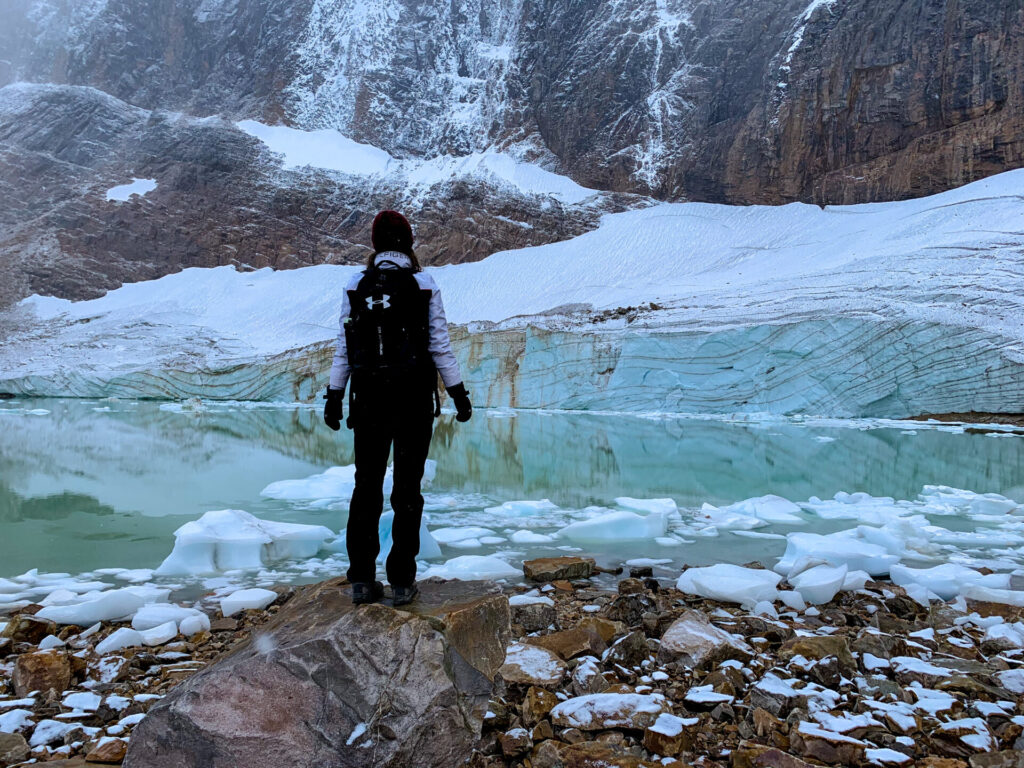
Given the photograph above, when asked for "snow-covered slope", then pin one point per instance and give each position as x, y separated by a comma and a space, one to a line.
890, 309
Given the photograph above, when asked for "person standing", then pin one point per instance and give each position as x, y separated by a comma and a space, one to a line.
392, 345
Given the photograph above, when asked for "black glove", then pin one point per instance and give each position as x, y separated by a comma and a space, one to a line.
460, 397
333, 410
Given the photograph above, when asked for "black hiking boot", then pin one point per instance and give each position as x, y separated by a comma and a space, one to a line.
405, 595
367, 592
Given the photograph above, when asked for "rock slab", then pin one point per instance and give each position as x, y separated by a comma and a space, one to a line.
330, 684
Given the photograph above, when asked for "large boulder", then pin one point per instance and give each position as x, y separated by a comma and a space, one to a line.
327, 683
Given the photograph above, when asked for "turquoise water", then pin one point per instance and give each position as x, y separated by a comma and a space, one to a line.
92, 484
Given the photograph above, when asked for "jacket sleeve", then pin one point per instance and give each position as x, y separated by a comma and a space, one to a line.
440, 342
340, 369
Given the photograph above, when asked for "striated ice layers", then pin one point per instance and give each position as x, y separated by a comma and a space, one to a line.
888, 309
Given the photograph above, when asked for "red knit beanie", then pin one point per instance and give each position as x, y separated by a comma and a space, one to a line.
391, 232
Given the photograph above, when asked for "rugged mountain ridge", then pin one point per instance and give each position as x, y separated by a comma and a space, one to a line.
827, 101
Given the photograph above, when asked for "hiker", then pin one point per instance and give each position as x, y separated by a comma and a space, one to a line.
392, 345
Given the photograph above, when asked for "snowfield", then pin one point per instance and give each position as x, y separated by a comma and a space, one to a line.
886, 309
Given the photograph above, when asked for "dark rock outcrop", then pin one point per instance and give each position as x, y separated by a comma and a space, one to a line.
329, 684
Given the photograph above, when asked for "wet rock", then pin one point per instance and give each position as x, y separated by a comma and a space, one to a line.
24, 628
107, 750
532, 665
697, 642
629, 609
41, 671
631, 586
306, 684
13, 748
558, 568
570, 643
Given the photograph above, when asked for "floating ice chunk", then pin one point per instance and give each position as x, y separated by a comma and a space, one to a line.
819, 584
616, 526
160, 634
50, 641
722, 519
466, 544
469, 567
232, 539
670, 541
429, 548
855, 580
969, 502
947, 580
730, 583
521, 508
529, 537
641, 562
792, 599
646, 506
757, 535
770, 508
335, 483
991, 595
192, 625
149, 616
104, 606
842, 548
246, 599
60, 597
451, 535
118, 640
765, 608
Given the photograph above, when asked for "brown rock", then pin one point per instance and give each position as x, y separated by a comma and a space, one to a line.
752, 755
547, 755
606, 629
630, 651
308, 682
224, 624
107, 750
558, 568
949, 741
25, 628
13, 748
6, 646
589, 754
570, 643
542, 731
41, 671
880, 644
939, 762
671, 735
630, 586
819, 647
826, 747
698, 643
1009, 758
533, 617
527, 664
515, 743
537, 704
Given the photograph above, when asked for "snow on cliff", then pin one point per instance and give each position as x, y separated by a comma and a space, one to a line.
950, 267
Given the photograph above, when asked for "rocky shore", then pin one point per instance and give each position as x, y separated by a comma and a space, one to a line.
605, 670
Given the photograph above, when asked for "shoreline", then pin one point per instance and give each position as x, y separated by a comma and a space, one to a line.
870, 670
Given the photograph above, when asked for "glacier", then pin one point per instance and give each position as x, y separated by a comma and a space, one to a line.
874, 310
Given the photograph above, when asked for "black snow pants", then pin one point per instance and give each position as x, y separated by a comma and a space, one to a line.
381, 417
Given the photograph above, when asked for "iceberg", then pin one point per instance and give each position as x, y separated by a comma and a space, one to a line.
470, 567
820, 584
334, 483
104, 606
616, 526
947, 580
232, 539
730, 584
843, 548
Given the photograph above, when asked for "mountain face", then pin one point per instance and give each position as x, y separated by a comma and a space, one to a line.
828, 101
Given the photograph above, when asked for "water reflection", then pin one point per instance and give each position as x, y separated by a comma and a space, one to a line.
95, 484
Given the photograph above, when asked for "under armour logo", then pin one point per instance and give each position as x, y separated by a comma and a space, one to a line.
383, 303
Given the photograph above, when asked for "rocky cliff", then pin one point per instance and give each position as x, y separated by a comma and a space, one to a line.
828, 101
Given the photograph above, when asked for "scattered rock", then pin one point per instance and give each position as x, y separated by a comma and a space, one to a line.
819, 647
13, 748
515, 743
533, 617
699, 643
570, 643
107, 750
25, 628
42, 671
537, 704
601, 711
670, 735
828, 747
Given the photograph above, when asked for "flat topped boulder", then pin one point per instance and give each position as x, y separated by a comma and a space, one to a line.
326, 683
558, 568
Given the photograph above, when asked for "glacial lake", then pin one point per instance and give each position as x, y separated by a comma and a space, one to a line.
86, 485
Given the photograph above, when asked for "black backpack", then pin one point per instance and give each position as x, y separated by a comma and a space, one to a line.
387, 332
